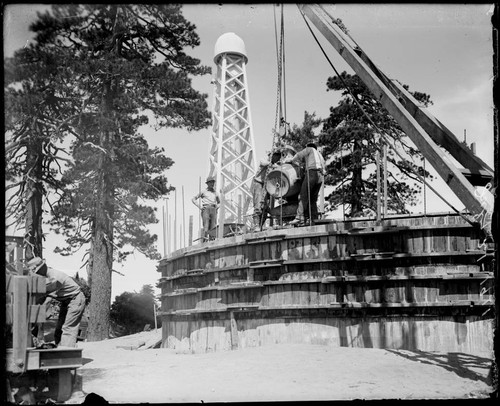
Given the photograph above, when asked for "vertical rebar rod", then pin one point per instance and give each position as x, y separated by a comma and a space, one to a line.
385, 178
183, 219
377, 162
164, 231
175, 220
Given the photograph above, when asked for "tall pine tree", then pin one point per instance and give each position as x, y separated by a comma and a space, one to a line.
350, 144
33, 152
118, 66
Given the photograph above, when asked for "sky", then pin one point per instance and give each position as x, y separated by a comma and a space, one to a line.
444, 50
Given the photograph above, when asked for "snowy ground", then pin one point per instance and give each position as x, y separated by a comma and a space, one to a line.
296, 372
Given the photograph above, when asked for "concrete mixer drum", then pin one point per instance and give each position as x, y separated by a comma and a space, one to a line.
284, 181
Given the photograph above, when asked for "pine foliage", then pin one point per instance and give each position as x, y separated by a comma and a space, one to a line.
351, 142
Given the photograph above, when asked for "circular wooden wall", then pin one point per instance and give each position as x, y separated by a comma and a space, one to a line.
409, 283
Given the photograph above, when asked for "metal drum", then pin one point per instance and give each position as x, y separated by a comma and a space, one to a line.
284, 181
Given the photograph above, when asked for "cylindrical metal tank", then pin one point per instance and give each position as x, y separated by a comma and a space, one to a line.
284, 181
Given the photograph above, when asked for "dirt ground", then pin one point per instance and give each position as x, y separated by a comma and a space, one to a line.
297, 372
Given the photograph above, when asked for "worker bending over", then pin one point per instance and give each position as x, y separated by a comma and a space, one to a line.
64, 289
314, 166
207, 201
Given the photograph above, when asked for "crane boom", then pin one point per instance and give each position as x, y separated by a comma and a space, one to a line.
401, 105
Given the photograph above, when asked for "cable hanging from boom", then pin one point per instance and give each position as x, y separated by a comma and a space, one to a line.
280, 123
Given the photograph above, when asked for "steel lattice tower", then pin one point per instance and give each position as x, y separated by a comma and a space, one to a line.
232, 158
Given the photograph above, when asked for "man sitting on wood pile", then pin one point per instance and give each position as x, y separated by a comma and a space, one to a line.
63, 288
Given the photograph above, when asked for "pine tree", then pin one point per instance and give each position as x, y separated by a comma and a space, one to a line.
117, 67
298, 136
33, 154
350, 144
131, 311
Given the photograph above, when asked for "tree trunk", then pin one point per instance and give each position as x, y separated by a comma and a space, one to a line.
100, 300
357, 180
101, 245
34, 194
101, 256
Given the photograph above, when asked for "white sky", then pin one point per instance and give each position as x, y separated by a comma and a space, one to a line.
444, 50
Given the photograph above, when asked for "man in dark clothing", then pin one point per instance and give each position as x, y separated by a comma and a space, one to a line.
314, 166
63, 288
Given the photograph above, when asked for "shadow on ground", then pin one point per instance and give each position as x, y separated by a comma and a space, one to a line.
86, 360
462, 364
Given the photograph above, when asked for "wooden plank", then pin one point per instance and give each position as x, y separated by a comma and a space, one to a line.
276, 249
313, 251
240, 255
234, 331
332, 247
440, 134
36, 313
295, 249
20, 326
287, 295
265, 299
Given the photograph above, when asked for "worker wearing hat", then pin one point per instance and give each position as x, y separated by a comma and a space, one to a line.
314, 165
259, 194
63, 288
207, 201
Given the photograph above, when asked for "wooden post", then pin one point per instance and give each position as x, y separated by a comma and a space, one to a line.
234, 331
220, 229
167, 218
19, 258
20, 325
169, 233
164, 232
200, 223
154, 312
175, 220
190, 241
377, 161
183, 220
322, 200
385, 178
239, 211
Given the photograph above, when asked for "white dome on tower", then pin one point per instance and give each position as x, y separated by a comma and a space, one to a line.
230, 43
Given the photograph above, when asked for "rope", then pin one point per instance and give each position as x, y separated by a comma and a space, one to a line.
384, 136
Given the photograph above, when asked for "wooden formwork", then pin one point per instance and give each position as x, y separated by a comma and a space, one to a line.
27, 366
412, 282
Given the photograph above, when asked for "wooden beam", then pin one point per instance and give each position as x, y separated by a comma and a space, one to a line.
234, 331
190, 240
443, 166
442, 135
20, 324
436, 130
220, 228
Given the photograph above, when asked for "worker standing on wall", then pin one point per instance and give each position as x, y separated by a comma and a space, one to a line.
207, 201
314, 166
258, 194
64, 289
